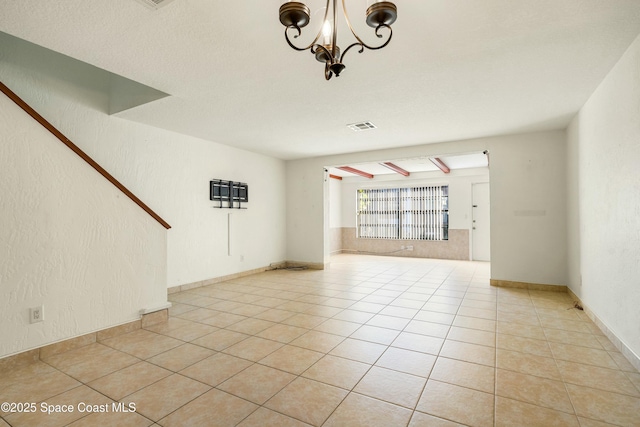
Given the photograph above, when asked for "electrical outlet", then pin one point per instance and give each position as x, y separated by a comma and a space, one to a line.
410, 247
36, 314
241, 258
402, 247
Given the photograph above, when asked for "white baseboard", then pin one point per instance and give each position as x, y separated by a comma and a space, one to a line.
626, 351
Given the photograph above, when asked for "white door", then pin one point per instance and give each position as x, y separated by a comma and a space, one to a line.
481, 235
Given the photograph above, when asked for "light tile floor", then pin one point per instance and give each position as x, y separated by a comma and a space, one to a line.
370, 341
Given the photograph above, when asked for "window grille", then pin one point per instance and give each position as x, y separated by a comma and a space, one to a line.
415, 213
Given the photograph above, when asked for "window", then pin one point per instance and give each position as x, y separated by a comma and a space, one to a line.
416, 213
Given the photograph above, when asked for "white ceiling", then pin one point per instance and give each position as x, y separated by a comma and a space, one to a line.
455, 69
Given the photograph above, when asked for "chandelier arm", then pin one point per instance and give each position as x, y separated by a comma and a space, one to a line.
327, 72
315, 40
334, 37
346, 18
377, 31
350, 46
293, 46
380, 36
360, 41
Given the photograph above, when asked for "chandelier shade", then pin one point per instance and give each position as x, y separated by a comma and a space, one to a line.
295, 15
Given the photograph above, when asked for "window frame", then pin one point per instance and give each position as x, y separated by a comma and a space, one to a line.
417, 212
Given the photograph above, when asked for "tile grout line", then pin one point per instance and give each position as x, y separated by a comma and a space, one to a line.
312, 287
555, 361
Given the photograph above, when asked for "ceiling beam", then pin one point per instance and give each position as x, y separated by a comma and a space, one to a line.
339, 178
440, 164
355, 171
396, 168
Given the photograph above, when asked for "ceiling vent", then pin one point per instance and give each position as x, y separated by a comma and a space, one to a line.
155, 4
359, 127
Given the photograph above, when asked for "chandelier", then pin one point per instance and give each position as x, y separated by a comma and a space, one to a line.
295, 16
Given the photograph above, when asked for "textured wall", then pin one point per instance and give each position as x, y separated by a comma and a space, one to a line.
170, 172
69, 240
528, 209
606, 136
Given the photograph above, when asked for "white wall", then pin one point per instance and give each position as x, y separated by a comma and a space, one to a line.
574, 271
528, 214
170, 172
606, 136
528, 209
336, 203
69, 240
306, 228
